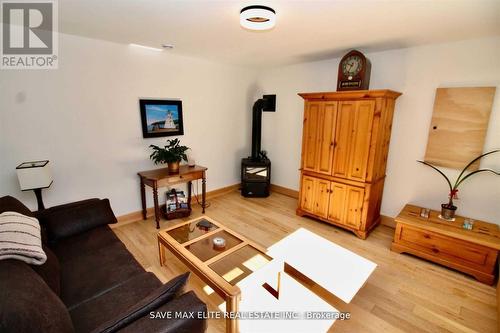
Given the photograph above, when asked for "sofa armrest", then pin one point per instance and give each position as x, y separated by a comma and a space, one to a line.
162, 295
192, 319
75, 218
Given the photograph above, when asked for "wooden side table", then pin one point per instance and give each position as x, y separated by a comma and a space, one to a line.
162, 178
473, 252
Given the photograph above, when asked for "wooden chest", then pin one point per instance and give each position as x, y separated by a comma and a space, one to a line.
473, 251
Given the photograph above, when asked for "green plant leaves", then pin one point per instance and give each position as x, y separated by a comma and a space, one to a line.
171, 152
461, 177
441, 172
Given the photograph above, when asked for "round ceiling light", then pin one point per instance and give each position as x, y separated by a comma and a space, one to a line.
257, 18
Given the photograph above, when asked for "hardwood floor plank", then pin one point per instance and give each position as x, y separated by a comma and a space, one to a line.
397, 320
404, 294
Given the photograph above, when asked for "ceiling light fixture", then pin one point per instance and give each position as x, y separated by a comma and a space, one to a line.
146, 47
257, 17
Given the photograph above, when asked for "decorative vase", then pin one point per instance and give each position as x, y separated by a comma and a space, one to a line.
173, 167
448, 211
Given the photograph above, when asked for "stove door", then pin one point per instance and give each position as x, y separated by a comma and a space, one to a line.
255, 173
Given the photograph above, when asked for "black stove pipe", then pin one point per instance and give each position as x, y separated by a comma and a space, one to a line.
257, 128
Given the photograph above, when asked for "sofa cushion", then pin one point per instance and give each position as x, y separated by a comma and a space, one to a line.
93, 240
62, 223
91, 267
50, 271
27, 303
155, 299
11, 204
95, 311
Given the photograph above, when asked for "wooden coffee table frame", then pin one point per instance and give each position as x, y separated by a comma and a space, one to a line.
231, 294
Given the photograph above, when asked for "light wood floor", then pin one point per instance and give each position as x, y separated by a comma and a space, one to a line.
404, 294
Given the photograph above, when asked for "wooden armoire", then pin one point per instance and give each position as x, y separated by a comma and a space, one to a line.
345, 143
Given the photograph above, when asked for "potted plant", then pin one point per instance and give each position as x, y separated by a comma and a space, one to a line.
448, 209
172, 153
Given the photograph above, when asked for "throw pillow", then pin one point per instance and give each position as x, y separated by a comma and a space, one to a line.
20, 238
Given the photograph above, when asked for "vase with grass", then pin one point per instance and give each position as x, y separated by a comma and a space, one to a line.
448, 209
172, 154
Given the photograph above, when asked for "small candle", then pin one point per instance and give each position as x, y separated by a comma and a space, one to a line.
219, 242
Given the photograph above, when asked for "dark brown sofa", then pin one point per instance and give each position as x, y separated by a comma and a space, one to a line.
90, 282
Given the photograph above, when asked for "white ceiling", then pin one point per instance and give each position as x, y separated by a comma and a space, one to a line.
305, 30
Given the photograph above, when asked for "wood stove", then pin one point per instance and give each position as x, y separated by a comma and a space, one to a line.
256, 169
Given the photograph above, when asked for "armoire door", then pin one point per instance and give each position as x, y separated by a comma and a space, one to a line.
307, 194
352, 139
343, 136
360, 140
326, 139
321, 197
337, 205
345, 204
354, 205
310, 135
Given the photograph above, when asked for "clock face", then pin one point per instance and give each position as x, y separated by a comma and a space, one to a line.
353, 72
352, 66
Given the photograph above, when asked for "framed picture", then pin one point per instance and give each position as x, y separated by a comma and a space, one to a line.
161, 117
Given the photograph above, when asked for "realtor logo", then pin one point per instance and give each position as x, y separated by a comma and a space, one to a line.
29, 39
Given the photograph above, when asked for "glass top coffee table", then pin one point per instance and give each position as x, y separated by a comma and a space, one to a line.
270, 279
221, 267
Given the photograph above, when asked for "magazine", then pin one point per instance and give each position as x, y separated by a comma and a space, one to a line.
172, 204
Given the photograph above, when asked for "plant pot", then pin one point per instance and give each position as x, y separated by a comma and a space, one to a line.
448, 211
173, 167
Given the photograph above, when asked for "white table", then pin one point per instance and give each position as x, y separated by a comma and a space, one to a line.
293, 298
333, 267
336, 269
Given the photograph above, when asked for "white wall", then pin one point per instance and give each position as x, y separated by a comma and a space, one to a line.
416, 72
84, 117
